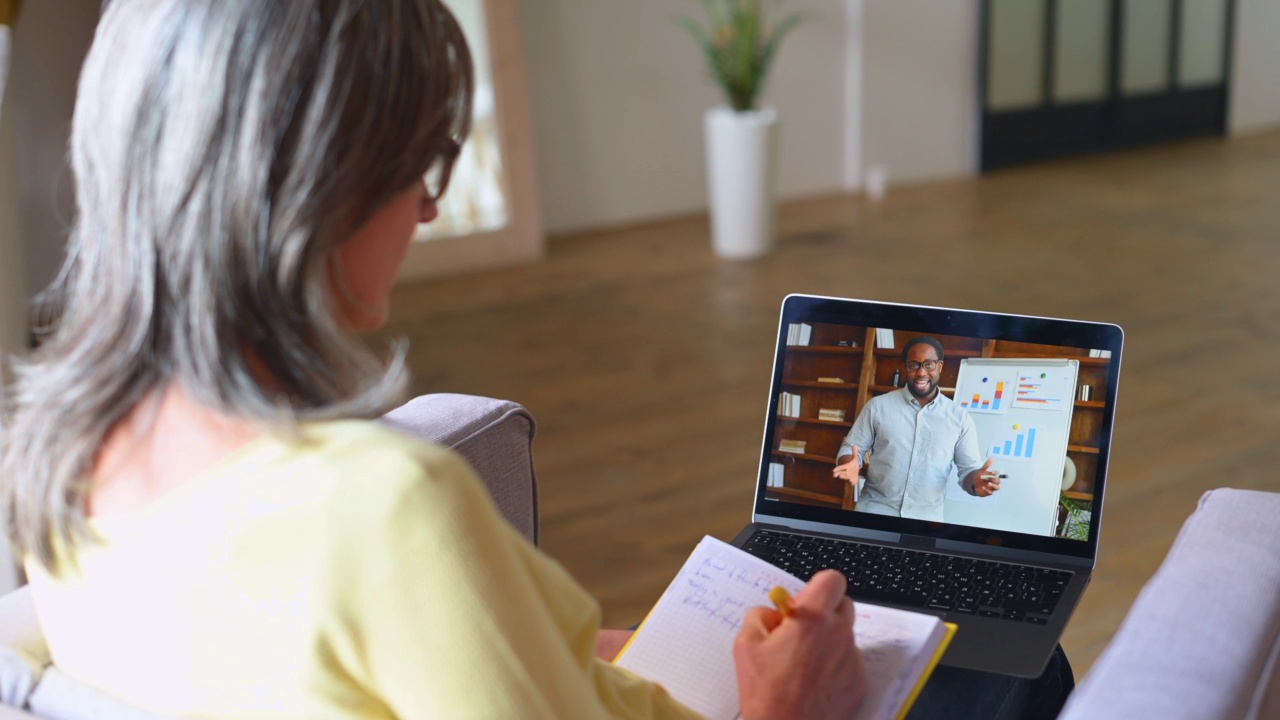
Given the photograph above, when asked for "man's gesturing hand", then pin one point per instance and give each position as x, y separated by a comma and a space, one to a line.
985, 480
849, 470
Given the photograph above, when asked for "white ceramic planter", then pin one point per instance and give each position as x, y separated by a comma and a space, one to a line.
741, 177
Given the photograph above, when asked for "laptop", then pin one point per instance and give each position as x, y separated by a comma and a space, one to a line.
1034, 398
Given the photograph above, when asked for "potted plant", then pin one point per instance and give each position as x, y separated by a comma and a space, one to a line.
1074, 518
739, 41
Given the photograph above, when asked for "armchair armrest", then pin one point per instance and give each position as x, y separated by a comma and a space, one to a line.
1202, 640
23, 653
494, 436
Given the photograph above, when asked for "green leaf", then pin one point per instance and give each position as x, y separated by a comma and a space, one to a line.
738, 46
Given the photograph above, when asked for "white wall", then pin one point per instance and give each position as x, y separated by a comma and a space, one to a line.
1255, 92
618, 91
919, 102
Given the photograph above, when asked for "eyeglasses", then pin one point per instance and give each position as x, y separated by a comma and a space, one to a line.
928, 365
441, 169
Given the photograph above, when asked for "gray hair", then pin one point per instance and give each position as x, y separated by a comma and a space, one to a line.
221, 150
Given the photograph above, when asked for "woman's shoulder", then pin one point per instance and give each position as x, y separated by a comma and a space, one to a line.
363, 440
364, 469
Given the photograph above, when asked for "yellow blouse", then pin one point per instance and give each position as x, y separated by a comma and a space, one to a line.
353, 574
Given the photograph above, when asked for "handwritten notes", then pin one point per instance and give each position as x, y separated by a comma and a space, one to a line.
686, 642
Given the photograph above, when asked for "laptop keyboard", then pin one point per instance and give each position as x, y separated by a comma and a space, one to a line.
917, 578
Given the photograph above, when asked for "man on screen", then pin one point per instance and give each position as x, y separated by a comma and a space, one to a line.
914, 435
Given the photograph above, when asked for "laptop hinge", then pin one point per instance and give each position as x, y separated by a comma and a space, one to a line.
917, 541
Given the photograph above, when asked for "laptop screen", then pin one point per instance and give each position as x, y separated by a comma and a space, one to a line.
957, 424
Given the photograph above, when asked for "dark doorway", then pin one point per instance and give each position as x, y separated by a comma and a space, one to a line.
1062, 77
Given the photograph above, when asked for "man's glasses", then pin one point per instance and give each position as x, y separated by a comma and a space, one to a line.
928, 365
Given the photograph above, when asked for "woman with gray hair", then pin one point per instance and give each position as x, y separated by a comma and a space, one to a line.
184, 473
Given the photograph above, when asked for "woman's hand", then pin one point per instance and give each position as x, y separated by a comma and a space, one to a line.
609, 643
804, 665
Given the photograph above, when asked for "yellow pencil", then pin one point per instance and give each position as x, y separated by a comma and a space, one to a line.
782, 599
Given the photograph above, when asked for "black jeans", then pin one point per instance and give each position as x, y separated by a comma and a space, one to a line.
955, 693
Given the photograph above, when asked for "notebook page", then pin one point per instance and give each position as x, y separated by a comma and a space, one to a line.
896, 644
686, 643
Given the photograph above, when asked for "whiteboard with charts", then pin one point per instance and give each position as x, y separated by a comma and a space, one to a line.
1022, 409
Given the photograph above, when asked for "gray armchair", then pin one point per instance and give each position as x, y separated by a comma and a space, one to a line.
1202, 641
495, 437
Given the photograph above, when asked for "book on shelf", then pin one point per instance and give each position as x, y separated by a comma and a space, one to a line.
831, 379
776, 474
831, 414
799, 333
884, 338
1096, 353
686, 641
789, 405
792, 446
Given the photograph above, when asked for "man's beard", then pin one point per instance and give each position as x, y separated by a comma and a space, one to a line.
915, 392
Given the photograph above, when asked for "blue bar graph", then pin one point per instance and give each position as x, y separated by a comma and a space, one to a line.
1022, 445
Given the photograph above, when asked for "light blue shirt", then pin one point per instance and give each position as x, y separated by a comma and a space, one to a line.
913, 451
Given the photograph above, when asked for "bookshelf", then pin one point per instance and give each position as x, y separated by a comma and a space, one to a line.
836, 353
866, 371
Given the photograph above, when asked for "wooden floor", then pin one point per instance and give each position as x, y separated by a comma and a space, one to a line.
646, 360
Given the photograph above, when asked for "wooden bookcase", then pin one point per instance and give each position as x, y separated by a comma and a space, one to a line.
807, 475
866, 371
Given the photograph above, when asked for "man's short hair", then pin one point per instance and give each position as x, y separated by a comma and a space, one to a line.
923, 340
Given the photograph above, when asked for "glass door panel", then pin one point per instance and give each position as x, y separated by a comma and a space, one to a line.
1144, 59
1017, 49
1202, 43
1080, 51
1063, 77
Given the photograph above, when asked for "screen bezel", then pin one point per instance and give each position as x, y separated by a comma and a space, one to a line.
957, 322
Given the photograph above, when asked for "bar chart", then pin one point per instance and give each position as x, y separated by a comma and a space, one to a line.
1016, 443
981, 403
986, 393
1044, 390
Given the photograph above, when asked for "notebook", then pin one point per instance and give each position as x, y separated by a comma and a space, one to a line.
686, 642
1028, 402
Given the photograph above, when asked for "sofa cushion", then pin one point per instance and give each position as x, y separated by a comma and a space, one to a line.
59, 697
23, 653
8, 713
1202, 639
